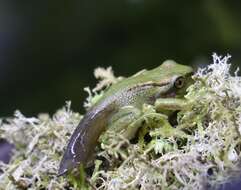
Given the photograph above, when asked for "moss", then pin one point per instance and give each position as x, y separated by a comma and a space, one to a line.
204, 148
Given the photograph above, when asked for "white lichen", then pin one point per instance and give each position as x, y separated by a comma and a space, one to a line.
39, 143
106, 77
210, 156
213, 118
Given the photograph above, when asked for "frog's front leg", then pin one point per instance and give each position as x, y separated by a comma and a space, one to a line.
173, 104
149, 121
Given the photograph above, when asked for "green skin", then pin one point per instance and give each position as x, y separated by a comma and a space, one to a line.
163, 87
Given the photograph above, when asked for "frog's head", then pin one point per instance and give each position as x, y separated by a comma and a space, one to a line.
176, 77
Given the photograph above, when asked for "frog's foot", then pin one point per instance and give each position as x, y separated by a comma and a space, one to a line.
166, 130
156, 125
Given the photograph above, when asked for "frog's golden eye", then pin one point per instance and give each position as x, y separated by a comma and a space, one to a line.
179, 82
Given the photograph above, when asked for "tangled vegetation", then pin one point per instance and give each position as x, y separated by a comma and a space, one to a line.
202, 151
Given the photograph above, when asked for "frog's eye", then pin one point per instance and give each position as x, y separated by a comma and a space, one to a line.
179, 82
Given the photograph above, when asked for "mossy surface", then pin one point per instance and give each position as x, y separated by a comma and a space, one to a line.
203, 150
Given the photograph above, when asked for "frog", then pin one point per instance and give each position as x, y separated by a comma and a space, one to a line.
163, 87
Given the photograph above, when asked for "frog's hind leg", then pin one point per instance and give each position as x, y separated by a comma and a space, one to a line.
149, 122
120, 121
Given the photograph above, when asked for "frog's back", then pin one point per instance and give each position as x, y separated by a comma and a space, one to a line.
161, 73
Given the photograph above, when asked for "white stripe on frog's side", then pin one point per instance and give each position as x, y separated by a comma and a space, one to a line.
73, 145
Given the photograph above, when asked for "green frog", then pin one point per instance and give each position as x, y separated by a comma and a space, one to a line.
163, 87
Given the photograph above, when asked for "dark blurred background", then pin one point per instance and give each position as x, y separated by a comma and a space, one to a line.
49, 48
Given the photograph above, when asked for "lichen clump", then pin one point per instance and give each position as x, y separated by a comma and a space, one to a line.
204, 153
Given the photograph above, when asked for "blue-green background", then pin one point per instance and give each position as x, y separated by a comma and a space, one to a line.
49, 48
